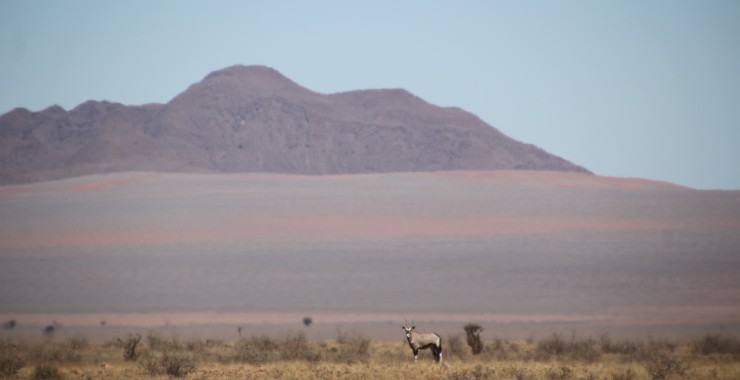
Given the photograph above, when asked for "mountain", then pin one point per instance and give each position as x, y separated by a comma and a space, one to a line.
253, 119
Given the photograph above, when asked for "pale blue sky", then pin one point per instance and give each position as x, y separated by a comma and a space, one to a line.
625, 88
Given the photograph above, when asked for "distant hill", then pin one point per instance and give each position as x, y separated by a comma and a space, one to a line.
253, 119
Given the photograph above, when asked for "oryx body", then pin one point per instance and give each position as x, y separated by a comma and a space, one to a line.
422, 341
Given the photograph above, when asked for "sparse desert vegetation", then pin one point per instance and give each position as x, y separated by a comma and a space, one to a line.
354, 356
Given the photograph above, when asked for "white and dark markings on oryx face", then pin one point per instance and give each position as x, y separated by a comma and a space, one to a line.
422, 341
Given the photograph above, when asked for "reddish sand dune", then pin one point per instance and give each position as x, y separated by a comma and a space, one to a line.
102, 184
357, 206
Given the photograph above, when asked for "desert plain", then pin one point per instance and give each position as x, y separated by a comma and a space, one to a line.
523, 253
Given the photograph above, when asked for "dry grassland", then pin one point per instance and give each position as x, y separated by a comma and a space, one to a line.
349, 356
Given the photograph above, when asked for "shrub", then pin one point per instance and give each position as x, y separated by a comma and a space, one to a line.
195, 345
631, 349
159, 343
584, 350
9, 325
562, 373
453, 347
49, 331
46, 372
472, 333
10, 364
662, 365
262, 349
553, 346
717, 344
519, 373
629, 374
172, 363
256, 349
129, 347
54, 352
78, 342
503, 349
296, 347
478, 372
654, 345
352, 349
11, 360
560, 348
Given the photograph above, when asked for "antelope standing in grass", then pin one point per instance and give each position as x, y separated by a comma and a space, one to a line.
418, 341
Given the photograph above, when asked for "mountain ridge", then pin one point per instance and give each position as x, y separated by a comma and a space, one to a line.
254, 119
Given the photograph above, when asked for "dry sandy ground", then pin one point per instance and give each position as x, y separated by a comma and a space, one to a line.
521, 251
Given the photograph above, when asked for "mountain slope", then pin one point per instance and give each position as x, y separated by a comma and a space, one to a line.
253, 119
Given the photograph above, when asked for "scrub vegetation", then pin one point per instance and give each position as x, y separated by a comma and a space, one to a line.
354, 356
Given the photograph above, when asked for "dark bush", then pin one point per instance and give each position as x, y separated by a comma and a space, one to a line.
717, 344
129, 347
9, 325
49, 331
307, 321
472, 334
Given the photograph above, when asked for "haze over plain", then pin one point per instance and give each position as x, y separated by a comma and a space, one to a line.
521, 251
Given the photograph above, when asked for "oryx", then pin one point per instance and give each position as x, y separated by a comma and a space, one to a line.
418, 341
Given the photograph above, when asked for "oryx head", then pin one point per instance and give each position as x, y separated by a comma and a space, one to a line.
409, 330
